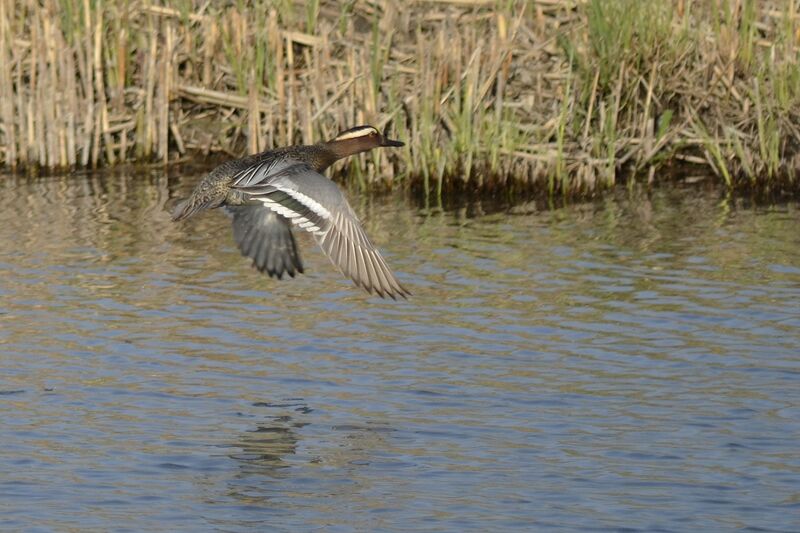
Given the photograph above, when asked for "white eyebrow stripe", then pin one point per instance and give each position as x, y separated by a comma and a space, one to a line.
362, 132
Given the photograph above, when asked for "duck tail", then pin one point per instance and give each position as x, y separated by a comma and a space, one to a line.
184, 209
197, 202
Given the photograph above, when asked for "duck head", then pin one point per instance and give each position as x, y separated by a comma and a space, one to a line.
359, 139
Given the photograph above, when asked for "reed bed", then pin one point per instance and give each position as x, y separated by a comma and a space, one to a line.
565, 96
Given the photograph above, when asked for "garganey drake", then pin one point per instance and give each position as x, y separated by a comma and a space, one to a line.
268, 192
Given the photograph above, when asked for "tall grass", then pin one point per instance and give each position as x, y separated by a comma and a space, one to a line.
567, 96
711, 83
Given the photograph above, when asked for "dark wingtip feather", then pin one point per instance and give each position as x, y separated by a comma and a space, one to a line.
267, 239
402, 292
392, 293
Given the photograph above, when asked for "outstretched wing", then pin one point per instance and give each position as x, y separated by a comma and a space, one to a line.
266, 238
314, 203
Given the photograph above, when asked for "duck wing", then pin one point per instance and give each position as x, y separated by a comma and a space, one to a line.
266, 238
314, 203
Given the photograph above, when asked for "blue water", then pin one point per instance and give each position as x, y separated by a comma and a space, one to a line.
632, 363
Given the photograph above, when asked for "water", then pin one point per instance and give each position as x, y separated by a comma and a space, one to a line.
631, 363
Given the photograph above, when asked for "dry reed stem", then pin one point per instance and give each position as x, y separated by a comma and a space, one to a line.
475, 87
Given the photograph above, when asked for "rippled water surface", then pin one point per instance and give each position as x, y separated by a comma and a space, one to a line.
631, 363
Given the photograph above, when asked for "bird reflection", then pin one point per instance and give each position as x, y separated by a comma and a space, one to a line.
264, 453
274, 474
264, 449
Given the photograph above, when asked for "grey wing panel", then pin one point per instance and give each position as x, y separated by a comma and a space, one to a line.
261, 172
289, 175
300, 194
350, 250
266, 238
314, 203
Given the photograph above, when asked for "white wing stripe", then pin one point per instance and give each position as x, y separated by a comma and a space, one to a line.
307, 201
297, 219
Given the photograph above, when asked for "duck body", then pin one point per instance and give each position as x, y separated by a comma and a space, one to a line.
268, 193
216, 189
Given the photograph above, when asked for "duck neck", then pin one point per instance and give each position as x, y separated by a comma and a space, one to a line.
332, 151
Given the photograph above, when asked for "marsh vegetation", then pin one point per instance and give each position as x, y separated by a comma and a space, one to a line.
564, 96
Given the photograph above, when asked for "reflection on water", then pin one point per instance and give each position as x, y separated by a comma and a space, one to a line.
261, 450
631, 362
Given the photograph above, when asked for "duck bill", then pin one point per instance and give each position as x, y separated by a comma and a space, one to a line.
390, 142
